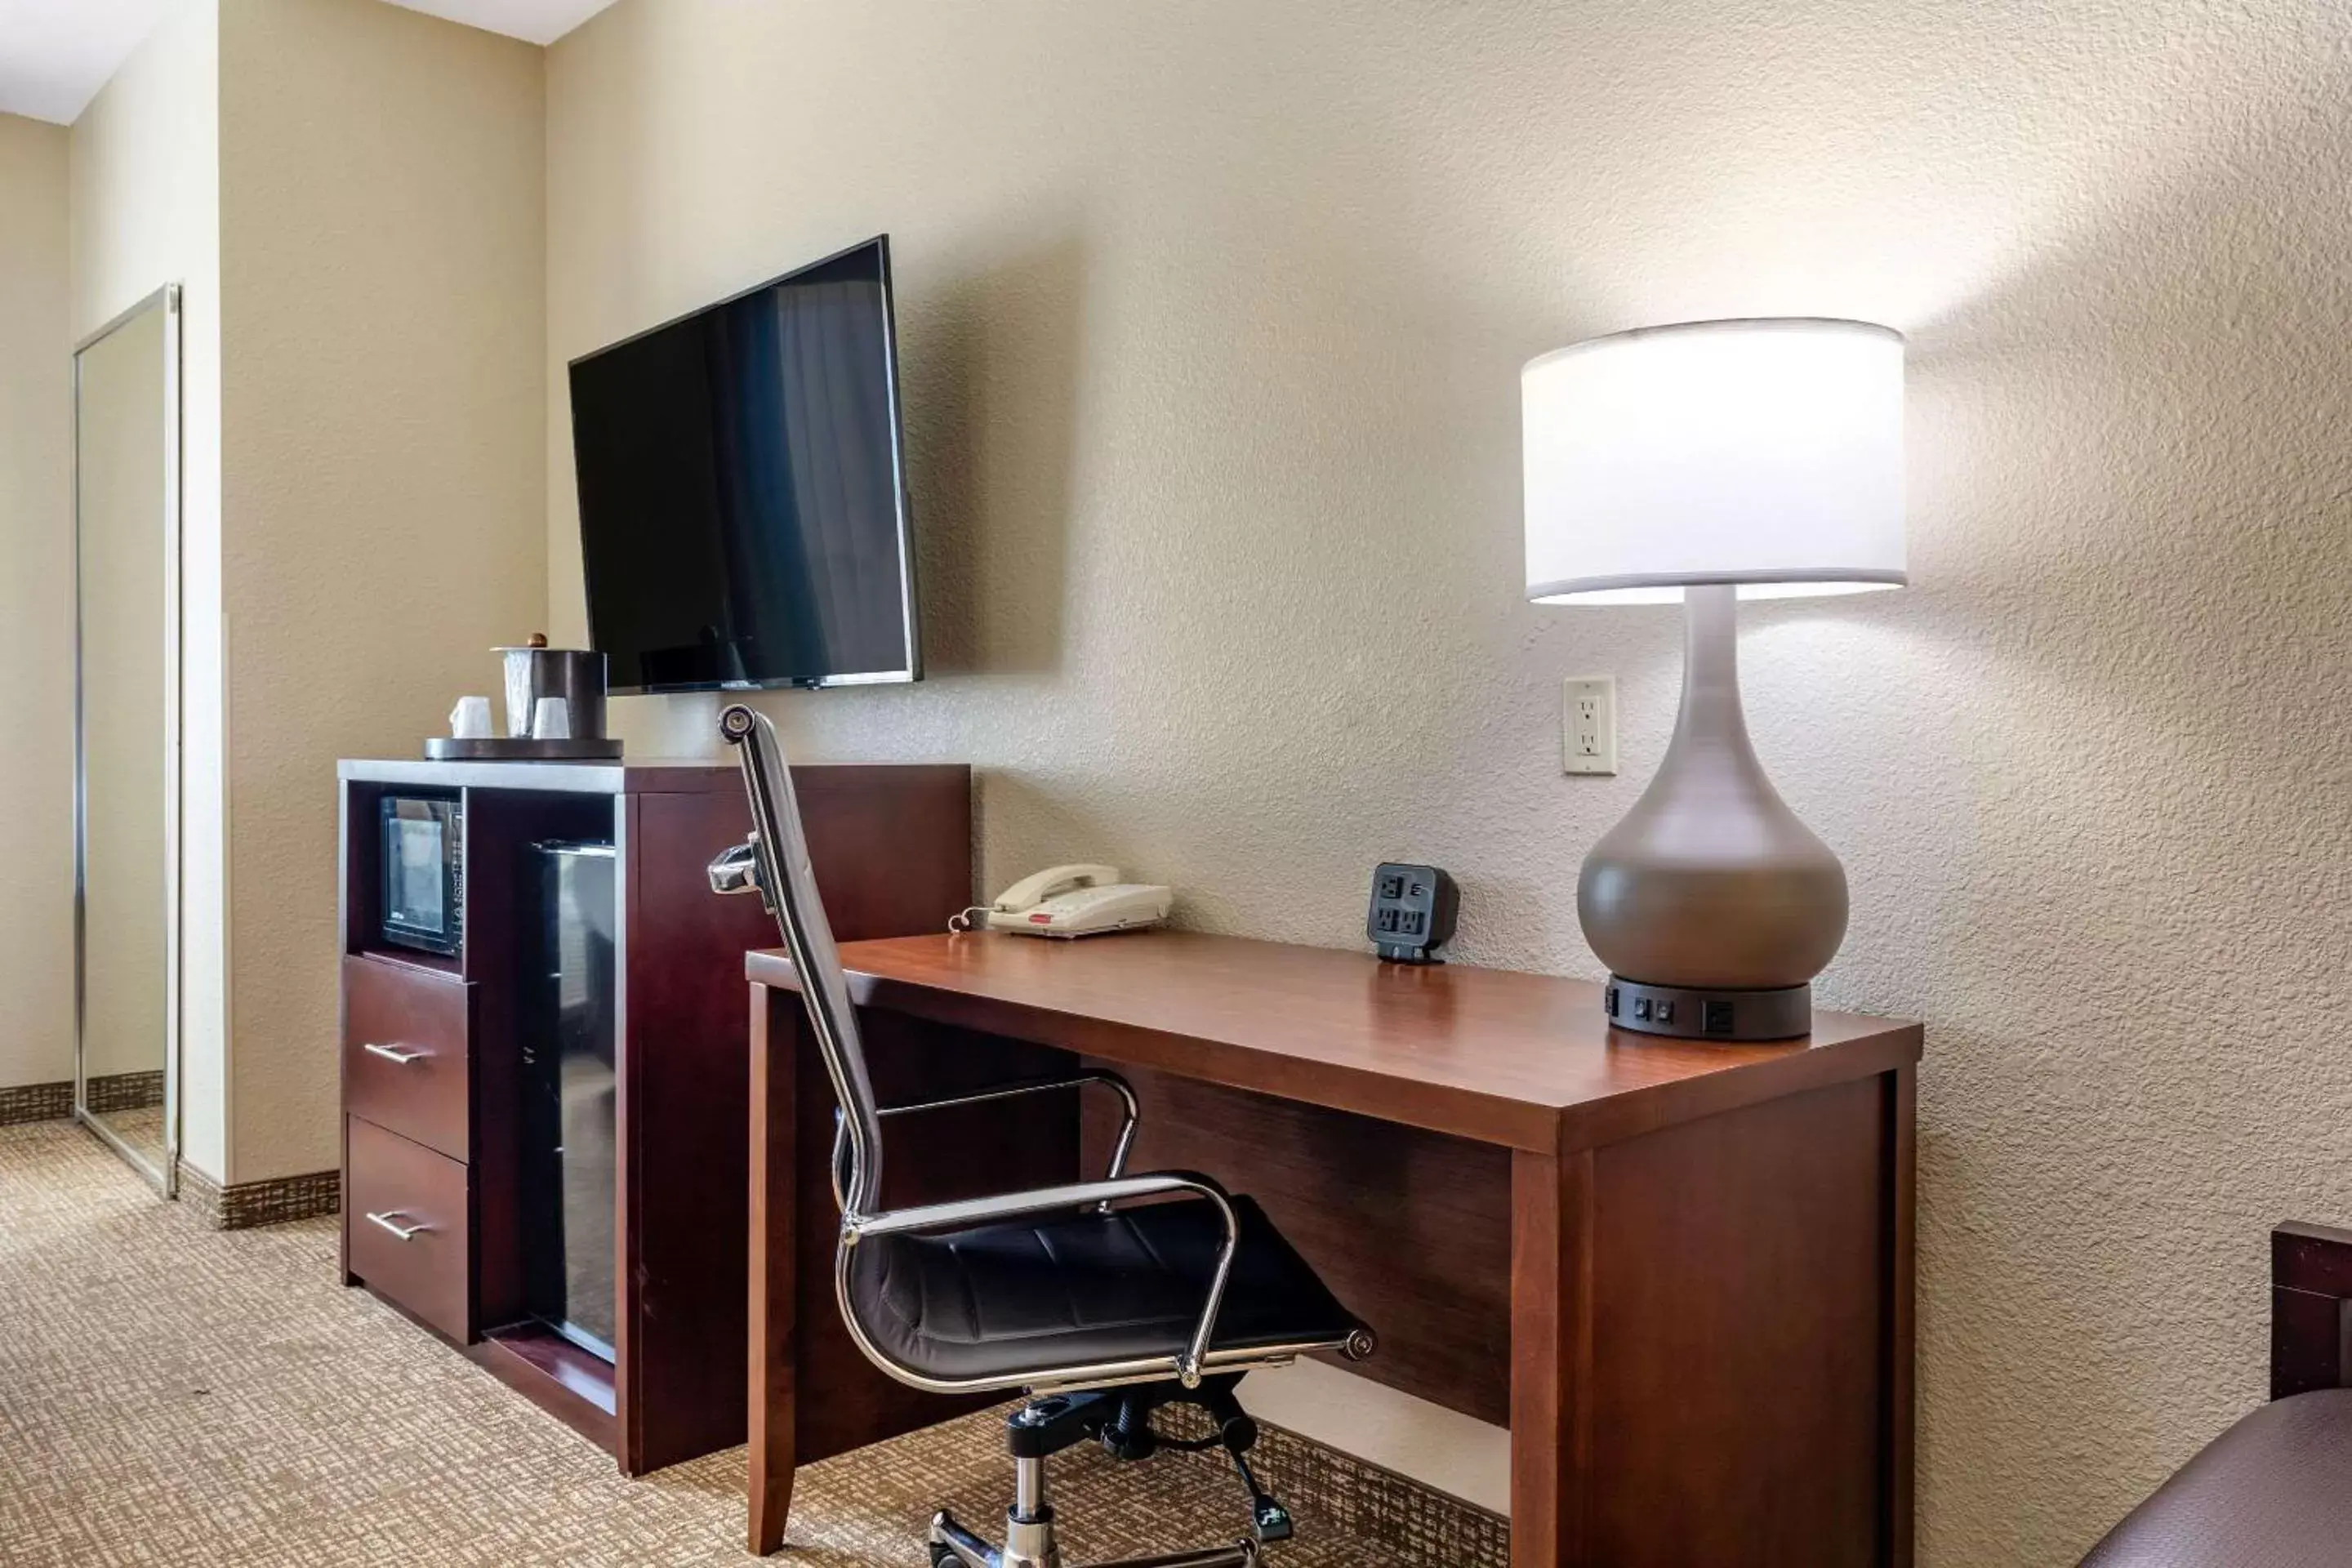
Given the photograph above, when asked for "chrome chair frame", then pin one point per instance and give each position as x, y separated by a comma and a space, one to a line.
776, 864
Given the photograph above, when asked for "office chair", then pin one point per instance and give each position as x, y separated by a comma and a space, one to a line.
1097, 1314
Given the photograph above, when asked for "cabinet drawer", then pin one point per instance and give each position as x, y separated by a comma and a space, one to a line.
405, 1224
405, 1041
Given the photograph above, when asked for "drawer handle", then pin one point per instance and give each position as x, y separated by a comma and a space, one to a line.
390, 1220
398, 1055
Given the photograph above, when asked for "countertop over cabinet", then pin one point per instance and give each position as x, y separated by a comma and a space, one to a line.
654, 775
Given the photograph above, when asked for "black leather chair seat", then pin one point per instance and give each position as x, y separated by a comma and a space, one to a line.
1004, 1300
2273, 1491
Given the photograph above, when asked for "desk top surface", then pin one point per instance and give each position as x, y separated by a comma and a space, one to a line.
1494, 1055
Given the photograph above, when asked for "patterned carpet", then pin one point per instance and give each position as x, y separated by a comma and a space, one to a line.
205, 1399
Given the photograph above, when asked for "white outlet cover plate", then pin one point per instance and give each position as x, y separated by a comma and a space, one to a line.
1587, 734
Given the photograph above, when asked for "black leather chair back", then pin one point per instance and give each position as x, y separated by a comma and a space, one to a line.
789, 884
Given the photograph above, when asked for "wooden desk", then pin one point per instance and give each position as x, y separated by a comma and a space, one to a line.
1682, 1272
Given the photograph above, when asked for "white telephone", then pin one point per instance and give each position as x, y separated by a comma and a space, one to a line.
1071, 900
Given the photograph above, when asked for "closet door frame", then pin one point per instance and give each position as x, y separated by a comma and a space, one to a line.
165, 1179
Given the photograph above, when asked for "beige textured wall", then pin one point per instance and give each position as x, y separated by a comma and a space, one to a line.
37, 1020
1211, 315
145, 211
381, 220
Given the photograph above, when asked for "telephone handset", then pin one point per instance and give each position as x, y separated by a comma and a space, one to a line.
1030, 892
1071, 900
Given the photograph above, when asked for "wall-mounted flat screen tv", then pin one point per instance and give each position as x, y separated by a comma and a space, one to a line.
743, 513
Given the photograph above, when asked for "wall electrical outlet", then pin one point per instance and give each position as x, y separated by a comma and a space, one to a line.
1588, 724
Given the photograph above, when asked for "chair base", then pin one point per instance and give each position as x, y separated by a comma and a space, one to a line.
951, 1544
1120, 1419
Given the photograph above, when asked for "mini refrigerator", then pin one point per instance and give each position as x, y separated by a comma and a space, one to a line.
569, 1098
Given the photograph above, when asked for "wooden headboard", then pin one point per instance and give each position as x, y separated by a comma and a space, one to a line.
2311, 1309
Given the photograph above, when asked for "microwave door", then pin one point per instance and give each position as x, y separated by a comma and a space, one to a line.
420, 885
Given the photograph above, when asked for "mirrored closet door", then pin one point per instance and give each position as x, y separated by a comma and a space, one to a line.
127, 752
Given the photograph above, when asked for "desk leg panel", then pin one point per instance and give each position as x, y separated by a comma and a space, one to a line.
1902, 1106
1743, 1399
1551, 1351
774, 1304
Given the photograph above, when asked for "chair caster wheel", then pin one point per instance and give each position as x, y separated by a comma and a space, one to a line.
944, 1557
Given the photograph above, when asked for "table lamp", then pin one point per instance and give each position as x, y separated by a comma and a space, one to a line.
1702, 462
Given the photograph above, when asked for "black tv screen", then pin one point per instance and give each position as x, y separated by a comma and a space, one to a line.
743, 517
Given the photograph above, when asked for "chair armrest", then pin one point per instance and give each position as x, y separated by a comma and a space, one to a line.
1110, 1081
1079, 1194
2311, 1309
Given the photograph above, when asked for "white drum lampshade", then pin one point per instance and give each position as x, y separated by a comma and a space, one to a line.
1762, 453
1700, 462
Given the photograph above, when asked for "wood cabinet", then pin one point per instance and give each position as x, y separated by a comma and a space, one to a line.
435, 1220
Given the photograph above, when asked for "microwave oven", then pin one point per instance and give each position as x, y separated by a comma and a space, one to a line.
423, 873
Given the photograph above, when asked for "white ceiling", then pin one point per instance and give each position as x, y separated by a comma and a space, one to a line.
55, 54
533, 21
